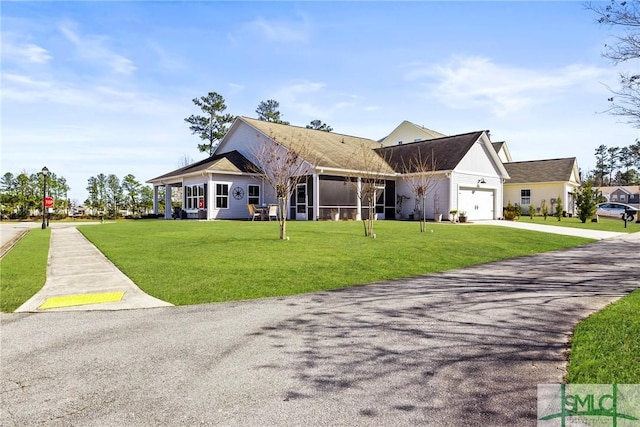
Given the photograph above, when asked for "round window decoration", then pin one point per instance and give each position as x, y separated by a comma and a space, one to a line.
238, 193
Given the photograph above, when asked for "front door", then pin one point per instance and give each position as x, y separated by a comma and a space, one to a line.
301, 202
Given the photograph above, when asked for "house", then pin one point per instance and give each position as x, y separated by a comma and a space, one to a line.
503, 151
537, 180
206, 186
628, 194
409, 132
468, 176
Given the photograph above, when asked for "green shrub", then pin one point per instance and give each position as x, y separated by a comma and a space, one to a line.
544, 209
510, 212
558, 214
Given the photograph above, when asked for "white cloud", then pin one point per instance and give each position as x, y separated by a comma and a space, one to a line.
309, 100
25, 89
235, 87
477, 82
94, 49
23, 52
312, 100
280, 31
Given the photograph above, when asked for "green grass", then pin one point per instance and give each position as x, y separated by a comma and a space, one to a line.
23, 269
191, 262
603, 224
605, 348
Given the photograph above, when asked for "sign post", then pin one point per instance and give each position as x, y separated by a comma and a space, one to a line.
48, 203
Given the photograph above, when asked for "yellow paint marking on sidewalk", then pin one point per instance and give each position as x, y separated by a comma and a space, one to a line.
83, 299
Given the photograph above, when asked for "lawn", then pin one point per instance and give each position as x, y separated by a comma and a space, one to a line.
603, 224
23, 269
192, 262
605, 348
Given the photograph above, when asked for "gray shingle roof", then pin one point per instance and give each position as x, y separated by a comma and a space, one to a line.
497, 146
232, 161
447, 152
552, 170
324, 149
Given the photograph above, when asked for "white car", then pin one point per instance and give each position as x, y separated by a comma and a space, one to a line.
616, 210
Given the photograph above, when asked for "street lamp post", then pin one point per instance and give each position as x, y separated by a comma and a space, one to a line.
45, 173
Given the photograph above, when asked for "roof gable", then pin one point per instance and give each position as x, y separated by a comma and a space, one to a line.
409, 132
551, 170
447, 152
232, 162
502, 150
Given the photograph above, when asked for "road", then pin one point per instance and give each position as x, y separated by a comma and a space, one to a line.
466, 347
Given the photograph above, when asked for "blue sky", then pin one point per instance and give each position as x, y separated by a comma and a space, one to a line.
104, 87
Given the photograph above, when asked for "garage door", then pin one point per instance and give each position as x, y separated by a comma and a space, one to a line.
477, 203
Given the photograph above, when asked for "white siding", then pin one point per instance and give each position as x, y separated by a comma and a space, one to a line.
242, 138
477, 161
438, 195
237, 207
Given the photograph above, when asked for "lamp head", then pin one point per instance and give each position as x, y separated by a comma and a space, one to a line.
45, 171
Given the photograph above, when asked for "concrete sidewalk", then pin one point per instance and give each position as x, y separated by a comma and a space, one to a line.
77, 268
554, 229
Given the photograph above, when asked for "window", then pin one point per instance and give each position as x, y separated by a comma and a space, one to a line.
195, 196
525, 197
222, 196
614, 197
622, 198
254, 194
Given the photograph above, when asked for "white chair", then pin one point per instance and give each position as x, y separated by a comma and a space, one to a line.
253, 212
273, 212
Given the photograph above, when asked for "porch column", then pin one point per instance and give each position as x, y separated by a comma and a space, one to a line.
210, 197
155, 200
359, 200
316, 197
168, 209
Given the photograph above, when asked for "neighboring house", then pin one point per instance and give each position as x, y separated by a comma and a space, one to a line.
468, 176
534, 181
407, 132
503, 151
628, 194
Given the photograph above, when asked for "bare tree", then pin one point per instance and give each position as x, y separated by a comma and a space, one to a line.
419, 174
368, 182
624, 15
283, 165
185, 160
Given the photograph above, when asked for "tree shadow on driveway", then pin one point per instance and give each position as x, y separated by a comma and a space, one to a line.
466, 347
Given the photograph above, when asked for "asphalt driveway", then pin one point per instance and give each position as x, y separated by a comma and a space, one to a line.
466, 347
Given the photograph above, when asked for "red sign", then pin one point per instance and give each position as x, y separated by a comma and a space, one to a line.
48, 202
201, 203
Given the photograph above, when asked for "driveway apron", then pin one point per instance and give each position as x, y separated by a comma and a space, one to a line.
460, 348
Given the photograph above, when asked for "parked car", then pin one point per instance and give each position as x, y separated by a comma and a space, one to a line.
616, 210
